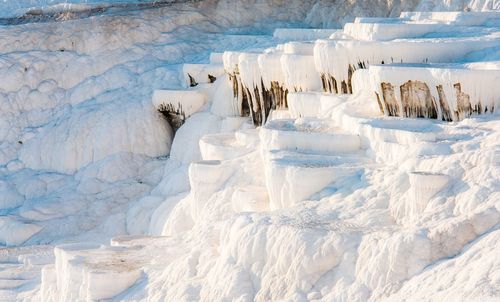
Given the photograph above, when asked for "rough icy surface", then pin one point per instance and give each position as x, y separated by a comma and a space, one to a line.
330, 200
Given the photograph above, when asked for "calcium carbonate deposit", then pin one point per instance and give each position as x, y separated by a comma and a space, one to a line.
261, 150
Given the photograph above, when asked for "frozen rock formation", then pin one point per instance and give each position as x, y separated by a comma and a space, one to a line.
353, 164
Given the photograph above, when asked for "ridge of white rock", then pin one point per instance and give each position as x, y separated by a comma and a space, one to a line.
469, 19
298, 34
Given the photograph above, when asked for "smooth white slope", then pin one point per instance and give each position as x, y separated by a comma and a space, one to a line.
471, 275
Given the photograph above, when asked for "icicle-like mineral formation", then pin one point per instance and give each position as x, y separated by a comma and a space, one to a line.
446, 92
336, 60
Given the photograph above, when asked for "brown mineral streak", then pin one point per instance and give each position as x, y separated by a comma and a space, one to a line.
464, 108
445, 109
390, 101
258, 105
418, 102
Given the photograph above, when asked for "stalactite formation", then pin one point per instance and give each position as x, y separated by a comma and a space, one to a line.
380, 106
464, 108
257, 102
174, 115
350, 72
329, 83
417, 102
390, 101
278, 96
255, 105
239, 94
443, 103
344, 89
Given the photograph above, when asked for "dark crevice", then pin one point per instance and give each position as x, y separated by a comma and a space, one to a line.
175, 116
192, 81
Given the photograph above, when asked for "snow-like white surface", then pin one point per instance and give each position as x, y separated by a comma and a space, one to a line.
307, 135
330, 200
271, 69
201, 73
459, 18
477, 265
186, 101
312, 104
302, 34
419, 24
79, 135
308, 80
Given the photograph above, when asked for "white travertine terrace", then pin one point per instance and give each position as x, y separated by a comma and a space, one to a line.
271, 70
460, 18
395, 30
186, 101
302, 34
324, 165
456, 92
414, 38
335, 58
177, 105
